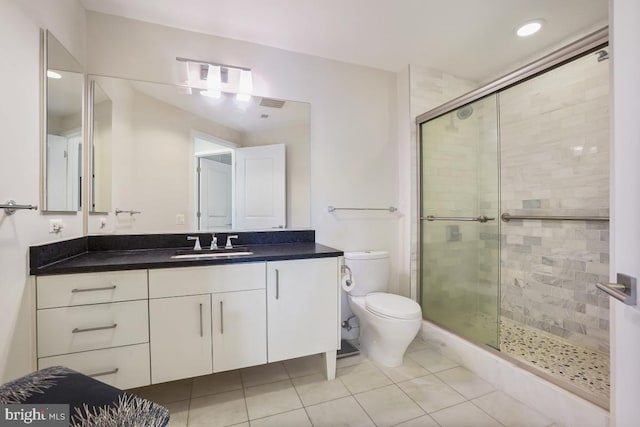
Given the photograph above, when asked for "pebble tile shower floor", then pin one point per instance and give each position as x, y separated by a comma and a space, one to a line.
585, 368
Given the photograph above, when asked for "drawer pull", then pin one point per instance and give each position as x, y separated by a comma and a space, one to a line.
201, 332
277, 284
99, 328
105, 288
101, 374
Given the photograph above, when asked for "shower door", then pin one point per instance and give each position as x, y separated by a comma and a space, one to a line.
459, 221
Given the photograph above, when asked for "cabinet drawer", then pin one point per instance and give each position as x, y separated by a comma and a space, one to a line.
91, 327
121, 367
171, 282
91, 288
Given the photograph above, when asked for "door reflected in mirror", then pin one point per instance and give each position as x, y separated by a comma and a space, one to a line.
239, 188
100, 130
62, 135
190, 162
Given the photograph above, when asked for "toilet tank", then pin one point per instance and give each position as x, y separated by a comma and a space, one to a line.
370, 270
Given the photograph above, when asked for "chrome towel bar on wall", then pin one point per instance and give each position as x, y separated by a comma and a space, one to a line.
389, 209
130, 212
11, 206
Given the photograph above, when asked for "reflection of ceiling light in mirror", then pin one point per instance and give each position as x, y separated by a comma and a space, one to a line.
53, 75
214, 77
529, 28
213, 82
245, 87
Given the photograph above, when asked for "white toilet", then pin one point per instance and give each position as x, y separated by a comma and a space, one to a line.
388, 322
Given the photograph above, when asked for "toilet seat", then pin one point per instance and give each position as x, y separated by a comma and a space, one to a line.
392, 306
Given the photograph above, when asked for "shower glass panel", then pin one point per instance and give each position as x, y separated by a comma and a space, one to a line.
460, 227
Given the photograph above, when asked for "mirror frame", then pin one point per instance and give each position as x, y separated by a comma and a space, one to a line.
45, 37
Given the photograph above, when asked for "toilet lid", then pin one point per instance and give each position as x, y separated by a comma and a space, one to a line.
392, 305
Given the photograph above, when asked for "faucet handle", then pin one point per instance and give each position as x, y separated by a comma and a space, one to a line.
229, 245
197, 246
214, 242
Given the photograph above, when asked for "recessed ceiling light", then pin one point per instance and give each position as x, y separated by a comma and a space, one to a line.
53, 75
529, 28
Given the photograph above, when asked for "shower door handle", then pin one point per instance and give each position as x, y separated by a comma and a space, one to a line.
480, 218
624, 290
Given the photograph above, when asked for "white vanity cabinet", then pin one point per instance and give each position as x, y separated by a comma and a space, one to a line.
232, 298
303, 307
96, 324
180, 332
139, 327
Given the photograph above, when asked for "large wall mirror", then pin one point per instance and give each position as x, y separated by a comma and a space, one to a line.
63, 82
169, 158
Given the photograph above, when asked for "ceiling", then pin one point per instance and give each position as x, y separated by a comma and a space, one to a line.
472, 39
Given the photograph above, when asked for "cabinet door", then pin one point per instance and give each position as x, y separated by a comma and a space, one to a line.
180, 337
302, 307
239, 329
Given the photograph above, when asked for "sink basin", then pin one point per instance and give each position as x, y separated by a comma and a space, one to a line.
211, 253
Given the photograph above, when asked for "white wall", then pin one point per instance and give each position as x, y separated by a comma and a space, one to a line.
20, 24
353, 140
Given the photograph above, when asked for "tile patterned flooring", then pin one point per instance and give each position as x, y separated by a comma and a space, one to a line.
427, 390
584, 368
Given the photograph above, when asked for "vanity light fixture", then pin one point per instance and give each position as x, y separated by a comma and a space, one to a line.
53, 75
214, 78
529, 28
245, 86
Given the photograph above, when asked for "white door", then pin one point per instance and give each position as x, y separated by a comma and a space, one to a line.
57, 173
180, 337
260, 187
302, 307
239, 329
625, 215
215, 195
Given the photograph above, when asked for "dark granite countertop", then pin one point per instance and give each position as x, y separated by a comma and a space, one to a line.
135, 259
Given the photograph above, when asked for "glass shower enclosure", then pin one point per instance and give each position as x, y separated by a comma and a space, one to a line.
460, 224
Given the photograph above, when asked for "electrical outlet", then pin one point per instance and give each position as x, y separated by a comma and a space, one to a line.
55, 226
180, 219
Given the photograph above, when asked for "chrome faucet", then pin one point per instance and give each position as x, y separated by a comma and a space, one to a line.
229, 245
197, 246
214, 242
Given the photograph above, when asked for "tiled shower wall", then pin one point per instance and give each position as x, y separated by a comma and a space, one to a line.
555, 161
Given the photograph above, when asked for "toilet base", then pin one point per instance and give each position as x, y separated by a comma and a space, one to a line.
382, 339
389, 350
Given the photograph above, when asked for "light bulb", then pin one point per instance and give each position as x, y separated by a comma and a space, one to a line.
245, 87
529, 28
